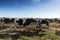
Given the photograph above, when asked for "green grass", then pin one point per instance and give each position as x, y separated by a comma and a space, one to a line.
49, 34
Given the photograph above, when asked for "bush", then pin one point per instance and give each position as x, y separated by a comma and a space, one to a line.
49, 35
33, 25
53, 24
23, 38
44, 26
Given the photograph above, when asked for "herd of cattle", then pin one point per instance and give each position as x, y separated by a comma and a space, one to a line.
27, 21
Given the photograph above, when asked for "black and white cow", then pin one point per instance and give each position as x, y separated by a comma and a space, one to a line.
44, 22
12, 20
6, 20
19, 21
28, 21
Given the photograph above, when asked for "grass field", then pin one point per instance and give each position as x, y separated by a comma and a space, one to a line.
52, 33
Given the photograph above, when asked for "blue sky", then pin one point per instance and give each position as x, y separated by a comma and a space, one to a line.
30, 8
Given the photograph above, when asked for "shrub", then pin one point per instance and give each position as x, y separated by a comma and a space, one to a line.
44, 26
33, 25
53, 24
23, 38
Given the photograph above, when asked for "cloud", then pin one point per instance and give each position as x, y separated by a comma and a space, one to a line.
36, 1
40, 1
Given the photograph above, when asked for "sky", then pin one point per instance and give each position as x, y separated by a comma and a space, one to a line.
30, 8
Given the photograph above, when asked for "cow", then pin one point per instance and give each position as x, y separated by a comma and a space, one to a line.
28, 21
20, 21
57, 20
51, 20
44, 22
6, 20
1, 20
12, 20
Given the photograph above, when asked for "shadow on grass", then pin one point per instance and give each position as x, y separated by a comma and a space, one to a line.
57, 33
14, 37
6, 36
30, 34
